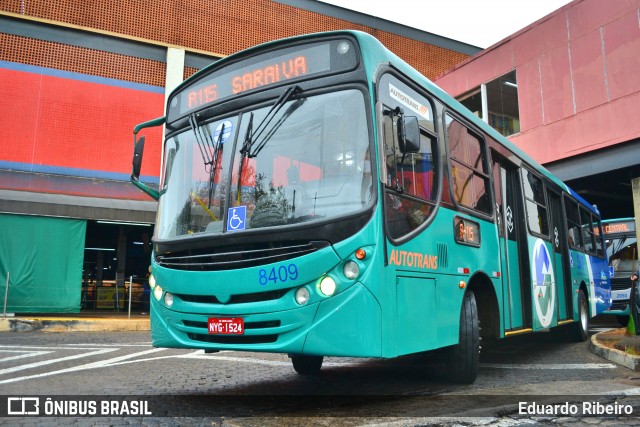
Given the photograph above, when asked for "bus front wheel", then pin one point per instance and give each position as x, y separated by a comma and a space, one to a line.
463, 358
306, 365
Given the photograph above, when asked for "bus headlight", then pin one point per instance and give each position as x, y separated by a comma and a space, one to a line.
302, 296
351, 270
152, 281
157, 292
327, 286
168, 299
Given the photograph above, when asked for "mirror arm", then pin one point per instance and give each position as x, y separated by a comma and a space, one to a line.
135, 178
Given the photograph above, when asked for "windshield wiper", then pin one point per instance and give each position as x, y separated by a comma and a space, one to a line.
251, 135
248, 150
209, 149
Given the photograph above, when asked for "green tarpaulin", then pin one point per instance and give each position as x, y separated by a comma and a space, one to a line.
43, 257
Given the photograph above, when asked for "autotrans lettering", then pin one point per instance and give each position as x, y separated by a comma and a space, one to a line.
413, 259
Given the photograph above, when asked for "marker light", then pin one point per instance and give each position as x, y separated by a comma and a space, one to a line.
361, 254
327, 286
351, 270
302, 296
157, 293
343, 48
152, 281
168, 299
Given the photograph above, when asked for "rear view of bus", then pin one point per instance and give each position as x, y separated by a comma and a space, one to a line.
622, 253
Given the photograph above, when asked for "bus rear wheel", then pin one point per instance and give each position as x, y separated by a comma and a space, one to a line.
579, 330
463, 358
306, 365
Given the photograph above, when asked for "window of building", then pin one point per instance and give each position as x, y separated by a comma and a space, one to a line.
496, 102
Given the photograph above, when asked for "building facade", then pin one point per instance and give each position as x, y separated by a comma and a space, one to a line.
566, 89
75, 78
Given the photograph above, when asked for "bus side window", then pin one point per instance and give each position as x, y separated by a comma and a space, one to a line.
535, 203
573, 223
469, 169
587, 231
598, 237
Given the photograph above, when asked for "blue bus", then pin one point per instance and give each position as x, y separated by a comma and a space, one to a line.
320, 197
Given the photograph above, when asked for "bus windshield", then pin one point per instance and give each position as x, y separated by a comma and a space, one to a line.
277, 165
622, 253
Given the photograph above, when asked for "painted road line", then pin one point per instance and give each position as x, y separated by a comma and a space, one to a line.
542, 366
22, 354
50, 361
93, 365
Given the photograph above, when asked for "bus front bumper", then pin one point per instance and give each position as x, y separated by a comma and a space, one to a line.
347, 324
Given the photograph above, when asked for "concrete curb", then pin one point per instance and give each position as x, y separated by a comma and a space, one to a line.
614, 355
73, 325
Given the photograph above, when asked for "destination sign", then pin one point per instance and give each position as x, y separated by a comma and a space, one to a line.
618, 227
270, 68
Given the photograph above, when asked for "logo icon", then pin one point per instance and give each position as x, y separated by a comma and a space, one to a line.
23, 406
237, 218
509, 219
544, 284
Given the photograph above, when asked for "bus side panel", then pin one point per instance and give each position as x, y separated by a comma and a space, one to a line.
600, 293
413, 316
513, 298
348, 324
591, 272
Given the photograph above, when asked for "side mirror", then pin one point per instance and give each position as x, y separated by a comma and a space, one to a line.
408, 134
138, 149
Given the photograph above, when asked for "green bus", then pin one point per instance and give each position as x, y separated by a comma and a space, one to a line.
320, 197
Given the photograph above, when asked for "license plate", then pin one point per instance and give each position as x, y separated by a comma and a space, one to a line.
226, 325
621, 295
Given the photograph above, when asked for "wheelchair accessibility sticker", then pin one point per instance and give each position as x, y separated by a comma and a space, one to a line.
237, 218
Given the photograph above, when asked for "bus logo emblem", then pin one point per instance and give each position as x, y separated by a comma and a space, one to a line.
544, 284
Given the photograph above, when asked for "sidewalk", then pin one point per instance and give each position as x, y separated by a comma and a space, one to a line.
76, 322
627, 359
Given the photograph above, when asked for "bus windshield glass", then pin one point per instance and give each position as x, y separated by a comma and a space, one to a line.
622, 249
278, 165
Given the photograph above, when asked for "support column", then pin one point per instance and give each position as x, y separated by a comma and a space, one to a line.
173, 77
635, 188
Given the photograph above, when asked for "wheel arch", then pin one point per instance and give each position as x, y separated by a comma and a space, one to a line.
487, 303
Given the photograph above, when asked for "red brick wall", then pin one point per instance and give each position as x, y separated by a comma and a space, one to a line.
220, 26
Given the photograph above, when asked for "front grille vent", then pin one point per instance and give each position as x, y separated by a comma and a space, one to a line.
235, 299
234, 257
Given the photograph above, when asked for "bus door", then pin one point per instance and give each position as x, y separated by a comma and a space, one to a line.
561, 256
513, 245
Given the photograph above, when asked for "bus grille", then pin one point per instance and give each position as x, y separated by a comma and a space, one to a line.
235, 299
234, 339
235, 257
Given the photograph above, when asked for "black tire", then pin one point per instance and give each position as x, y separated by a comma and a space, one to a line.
463, 358
306, 365
579, 331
